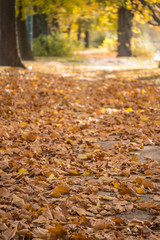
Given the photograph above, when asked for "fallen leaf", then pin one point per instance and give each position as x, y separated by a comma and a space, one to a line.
148, 205
19, 202
22, 170
80, 211
58, 231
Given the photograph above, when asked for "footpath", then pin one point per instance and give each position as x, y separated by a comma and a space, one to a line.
80, 150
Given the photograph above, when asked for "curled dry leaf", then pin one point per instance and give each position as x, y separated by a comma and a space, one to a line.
148, 205
101, 224
4, 164
19, 202
62, 187
41, 233
9, 233
79, 211
4, 192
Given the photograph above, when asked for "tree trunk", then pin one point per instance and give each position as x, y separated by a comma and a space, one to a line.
79, 32
24, 44
69, 29
40, 25
86, 39
9, 54
125, 17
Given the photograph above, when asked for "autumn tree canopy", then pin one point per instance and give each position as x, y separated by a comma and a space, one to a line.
80, 15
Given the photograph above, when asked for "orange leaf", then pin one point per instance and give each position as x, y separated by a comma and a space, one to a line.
140, 190
58, 231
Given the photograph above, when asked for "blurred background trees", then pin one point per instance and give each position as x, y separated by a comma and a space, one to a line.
61, 27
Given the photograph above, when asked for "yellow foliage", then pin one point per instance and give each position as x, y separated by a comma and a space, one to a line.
22, 170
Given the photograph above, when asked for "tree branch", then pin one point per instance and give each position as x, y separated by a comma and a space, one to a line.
154, 15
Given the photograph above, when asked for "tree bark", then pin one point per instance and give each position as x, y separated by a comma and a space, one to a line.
125, 17
86, 39
24, 44
9, 52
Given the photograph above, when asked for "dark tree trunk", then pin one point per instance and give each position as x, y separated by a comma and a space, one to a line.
86, 39
24, 44
9, 54
40, 25
125, 17
69, 29
79, 32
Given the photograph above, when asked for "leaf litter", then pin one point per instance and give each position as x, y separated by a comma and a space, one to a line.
69, 150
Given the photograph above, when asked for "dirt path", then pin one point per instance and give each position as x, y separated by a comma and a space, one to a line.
79, 152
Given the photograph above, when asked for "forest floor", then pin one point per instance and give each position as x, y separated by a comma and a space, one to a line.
80, 149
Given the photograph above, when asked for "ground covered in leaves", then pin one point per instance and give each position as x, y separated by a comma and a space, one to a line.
70, 141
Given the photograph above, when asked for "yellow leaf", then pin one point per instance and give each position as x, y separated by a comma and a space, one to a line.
99, 203
23, 123
128, 110
69, 141
140, 190
86, 173
22, 170
134, 159
54, 112
73, 172
144, 118
59, 163
105, 197
156, 122
51, 177
61, 91
116, 185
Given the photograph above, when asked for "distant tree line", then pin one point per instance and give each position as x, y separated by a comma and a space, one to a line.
61, 15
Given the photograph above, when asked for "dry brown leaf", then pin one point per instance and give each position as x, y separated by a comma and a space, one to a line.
101, 224
41, 233
19, 202
79, 236
79, 211
4, 164
9, 233
55, 135
125, 172
4, 192
148, 205
62, 187
3, 226
58, 231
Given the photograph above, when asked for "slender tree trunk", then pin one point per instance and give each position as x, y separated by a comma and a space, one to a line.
125, 17
9, 53
79, 32
40, 25
69, 29
86, 39
24, 44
